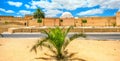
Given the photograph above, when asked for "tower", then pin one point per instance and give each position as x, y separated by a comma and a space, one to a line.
118, 18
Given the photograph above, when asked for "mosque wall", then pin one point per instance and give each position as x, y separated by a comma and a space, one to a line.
51, 22
34, 23
91, 21
97, 21
11, 19
45, 22
67, 22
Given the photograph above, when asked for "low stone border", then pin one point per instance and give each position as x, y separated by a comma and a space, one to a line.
76, 29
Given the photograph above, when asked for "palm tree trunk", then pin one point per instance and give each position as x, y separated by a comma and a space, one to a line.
59, 55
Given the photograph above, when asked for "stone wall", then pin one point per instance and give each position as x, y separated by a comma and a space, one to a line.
68, 22
45, 22
51, 21
91, 21
39, 29
11, 19
97, 21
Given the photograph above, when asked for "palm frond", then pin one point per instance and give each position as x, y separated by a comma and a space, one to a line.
65, 44
49, 47
65, 52
44, 58
79, 59
76, 36
1, 35
38, 44
71, 55
66, 32
49, 55
45, 32
50, 34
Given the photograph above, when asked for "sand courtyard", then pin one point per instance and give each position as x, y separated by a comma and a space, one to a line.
18, 49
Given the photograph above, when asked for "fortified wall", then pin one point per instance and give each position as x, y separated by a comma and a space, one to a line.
118, 18
98, 21
91, 21
28, 20
12, 19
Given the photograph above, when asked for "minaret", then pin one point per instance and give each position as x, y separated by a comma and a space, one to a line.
118, 18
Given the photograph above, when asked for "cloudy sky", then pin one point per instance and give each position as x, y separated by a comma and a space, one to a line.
54, 8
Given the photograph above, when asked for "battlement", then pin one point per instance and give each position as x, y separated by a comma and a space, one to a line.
6, 16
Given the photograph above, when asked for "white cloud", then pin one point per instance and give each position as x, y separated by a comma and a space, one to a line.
92, 3
27, 6
6, 11
111, 4
9, 11
52, 8
33, 7
72, 5
17, 4
105, 4
18, 16
42, 4
23, 12
52, 13
59, 4
91, 12
1, 9
119, 9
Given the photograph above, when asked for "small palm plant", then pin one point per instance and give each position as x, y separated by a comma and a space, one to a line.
57, 44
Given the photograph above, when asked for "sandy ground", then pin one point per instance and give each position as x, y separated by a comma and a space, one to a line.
18, 49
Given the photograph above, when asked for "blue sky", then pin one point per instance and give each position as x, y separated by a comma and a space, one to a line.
55, 8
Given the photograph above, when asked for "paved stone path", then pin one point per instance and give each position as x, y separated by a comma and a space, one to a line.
99, 36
